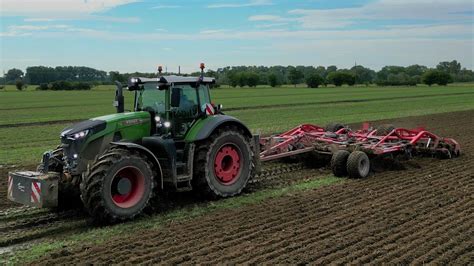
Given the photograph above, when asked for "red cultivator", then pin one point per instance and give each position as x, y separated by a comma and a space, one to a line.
352, 150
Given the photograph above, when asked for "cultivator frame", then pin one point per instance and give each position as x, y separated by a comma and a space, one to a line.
307, 138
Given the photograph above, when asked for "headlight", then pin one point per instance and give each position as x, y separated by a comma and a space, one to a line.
167, 124
79, 135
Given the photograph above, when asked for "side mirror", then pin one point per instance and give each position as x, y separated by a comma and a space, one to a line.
119, 100
175, 97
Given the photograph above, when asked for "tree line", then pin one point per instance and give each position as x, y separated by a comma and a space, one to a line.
75, 76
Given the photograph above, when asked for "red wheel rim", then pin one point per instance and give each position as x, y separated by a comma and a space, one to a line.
132, 193
227, 164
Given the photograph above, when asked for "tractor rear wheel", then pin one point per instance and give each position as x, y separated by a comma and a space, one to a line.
339, 163
334, 126
223, 164
358, 165
118, 186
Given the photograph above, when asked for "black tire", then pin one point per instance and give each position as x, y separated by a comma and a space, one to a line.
339, 163
358, 165
385, 129
68, 187
333, 127
100, 189
210, 178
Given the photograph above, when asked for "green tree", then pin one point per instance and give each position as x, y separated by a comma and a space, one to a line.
295, 76
341, 77
13, 74
314, 80
453, 67
273, 80
434, 76
252, 79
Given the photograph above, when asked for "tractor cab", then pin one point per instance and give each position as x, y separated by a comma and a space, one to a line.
174, 102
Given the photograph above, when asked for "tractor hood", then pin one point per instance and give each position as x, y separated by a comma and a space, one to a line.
108, 123
87, 126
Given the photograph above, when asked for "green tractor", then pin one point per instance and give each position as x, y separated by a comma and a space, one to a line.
175, 139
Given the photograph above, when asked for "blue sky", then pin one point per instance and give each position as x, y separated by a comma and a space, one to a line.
134, 35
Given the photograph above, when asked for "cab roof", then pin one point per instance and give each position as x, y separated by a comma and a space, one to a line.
168, 80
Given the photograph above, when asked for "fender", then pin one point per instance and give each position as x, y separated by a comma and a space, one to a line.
204, 127
147, 152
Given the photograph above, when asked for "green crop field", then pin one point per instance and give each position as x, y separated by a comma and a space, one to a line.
26, 128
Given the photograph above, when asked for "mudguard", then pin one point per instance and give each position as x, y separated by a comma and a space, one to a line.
203, 128
147, 152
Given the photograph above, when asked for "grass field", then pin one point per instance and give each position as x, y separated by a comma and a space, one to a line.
264, 110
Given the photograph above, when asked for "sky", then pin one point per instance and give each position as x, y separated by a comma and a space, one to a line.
139, 35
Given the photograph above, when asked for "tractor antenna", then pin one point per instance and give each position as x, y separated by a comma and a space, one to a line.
160, 69
202, 66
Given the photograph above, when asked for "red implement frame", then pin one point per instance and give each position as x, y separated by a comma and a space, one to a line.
308, 138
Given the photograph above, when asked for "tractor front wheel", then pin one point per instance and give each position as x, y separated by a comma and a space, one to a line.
118, 186
223, 164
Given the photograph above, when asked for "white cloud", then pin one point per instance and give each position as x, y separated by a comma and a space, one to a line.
29, 7
165, 6
265, 18
437, 10
242, 4
271, 25
39, 19
213, 31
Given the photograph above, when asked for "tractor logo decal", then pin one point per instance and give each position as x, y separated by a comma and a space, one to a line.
208, 109
35, 192
10, 187
134, 122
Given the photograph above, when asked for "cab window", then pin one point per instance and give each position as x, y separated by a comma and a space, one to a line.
204, 94
152, 99
188, 104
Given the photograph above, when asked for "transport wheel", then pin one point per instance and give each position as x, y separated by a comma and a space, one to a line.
384, 129
358, 164
339, 163
223, 164
333, 127
68, 187
118, 186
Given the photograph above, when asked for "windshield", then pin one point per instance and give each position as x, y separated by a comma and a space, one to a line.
151, 99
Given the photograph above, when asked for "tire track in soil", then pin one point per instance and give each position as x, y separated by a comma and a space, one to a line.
22, 224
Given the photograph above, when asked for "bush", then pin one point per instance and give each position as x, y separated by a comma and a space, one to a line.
1, 87
64, 85
272, 80
42, 87
338, 78
314, 80
436, 77
252, 79
19, 84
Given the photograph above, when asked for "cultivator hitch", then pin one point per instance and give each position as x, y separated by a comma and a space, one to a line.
363, 145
